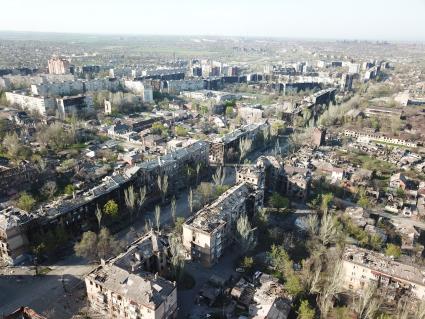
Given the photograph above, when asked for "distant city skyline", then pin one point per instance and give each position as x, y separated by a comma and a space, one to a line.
326, 19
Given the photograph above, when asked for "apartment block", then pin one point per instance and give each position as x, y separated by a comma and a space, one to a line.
212, 229
361, 267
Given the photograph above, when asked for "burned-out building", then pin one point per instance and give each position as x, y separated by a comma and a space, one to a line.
294, 182
120, 293
14, 244
149, 253
14, 177
174, 165
226, 148
128, 286
210, 230
362, 267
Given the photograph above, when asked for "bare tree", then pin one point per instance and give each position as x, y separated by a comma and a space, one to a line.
157, 216
330, 287
173, 209
130, 200
198, 168
367, 304
190, 201
99, 216
312, 224
246, 236
49, 189
177, 255
219, 176
148, 225
329, 229
420, 310
163, 186
142, 197
245, 146
402, 309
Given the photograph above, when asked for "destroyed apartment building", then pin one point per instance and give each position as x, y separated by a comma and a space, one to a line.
211, 230
128, 286
362, 267
225, 149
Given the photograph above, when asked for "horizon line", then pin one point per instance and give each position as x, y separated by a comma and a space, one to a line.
312, 39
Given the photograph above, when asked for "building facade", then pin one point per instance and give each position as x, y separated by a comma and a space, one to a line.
211, 230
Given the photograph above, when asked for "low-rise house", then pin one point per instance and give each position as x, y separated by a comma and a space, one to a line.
398, 181
270, 300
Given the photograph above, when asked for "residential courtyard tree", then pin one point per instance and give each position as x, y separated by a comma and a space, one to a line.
111, 208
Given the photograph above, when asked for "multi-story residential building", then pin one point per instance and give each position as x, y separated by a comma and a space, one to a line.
362, 267
58, 65
251, 174
210, 230
31, 103
58, 88
149, 253
118, 293
177, 86
14, 178
175, 166
74, 104
140, 88
74, 87
225, 149
366, 137
14, 242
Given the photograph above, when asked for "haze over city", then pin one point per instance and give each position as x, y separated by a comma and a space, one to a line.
327, 19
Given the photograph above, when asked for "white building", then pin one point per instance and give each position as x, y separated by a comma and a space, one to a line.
177, 86
140, 88
31, 103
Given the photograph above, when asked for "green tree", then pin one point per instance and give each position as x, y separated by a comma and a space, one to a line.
229, 112
278, 201
375, 242
293, 284
305, 311
69, 189
393, 250
26, 202
178, 227
326, 202
87, 246
111, 208
247, 262
180, 131
245, 233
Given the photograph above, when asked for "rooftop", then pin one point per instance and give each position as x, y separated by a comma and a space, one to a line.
144, 288
385, 265
211, 216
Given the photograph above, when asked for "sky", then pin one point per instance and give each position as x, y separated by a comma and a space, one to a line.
312, 19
